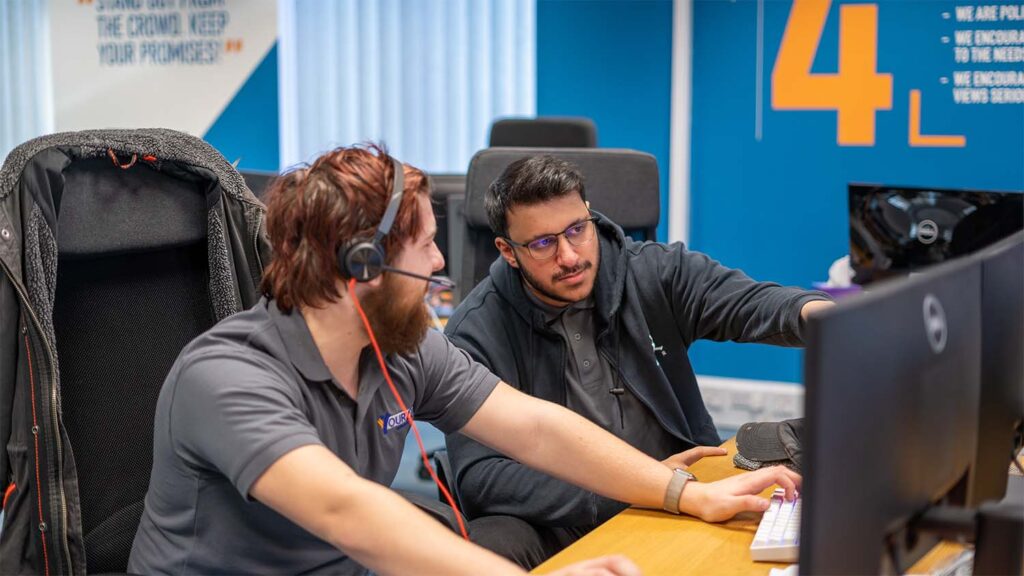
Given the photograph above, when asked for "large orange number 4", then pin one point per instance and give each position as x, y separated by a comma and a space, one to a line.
855, 92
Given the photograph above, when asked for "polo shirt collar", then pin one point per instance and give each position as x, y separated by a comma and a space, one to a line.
302, 350
552, 313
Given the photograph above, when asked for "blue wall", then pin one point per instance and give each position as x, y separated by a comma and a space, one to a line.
774, 207
777, 208
612, 62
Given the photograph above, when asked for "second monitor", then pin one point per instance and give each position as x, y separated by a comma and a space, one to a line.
895, 230
892, 388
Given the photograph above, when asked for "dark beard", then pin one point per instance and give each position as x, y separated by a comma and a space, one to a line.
399, 319
532, 281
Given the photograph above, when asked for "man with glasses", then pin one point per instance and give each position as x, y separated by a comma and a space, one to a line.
577, 313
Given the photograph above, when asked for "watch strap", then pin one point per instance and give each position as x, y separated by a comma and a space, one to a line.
675, 490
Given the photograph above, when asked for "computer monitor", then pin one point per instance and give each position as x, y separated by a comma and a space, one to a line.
896, 229
891, 398
1002, 368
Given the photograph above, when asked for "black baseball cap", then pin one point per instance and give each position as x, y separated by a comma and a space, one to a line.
764, 443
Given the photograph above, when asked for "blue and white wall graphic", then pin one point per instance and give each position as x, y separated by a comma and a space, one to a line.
794, 100
206, 67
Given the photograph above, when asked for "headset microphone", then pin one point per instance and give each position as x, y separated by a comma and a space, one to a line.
439, 280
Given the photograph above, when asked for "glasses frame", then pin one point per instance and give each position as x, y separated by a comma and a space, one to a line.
529, 250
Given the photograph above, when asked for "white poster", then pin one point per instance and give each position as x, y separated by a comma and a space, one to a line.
154, 63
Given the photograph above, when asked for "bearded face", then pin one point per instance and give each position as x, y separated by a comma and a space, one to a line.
397, 314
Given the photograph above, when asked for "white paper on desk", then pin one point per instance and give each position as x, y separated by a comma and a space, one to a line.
791, 570
840, 273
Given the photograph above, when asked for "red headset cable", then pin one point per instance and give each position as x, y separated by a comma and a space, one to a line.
412, 422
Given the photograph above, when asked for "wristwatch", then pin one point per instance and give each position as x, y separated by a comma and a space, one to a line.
675, 489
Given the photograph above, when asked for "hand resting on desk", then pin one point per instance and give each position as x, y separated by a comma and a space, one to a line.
690, 457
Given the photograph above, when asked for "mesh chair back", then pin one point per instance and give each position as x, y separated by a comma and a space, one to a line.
132, 290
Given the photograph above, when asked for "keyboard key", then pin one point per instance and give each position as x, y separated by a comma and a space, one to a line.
777, 536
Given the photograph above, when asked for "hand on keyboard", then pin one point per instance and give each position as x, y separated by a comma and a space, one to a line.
721, 500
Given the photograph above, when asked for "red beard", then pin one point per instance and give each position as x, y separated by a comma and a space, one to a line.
397, 314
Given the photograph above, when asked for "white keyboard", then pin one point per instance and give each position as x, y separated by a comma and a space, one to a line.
778, 536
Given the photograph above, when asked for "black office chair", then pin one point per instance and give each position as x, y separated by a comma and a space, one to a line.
449, 193
546, 132
437, 509
621, 184
133, 288
443, 468
259, 181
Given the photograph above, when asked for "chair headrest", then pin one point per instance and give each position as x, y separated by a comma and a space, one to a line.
445, 185
621, 184
259, 181
550, 132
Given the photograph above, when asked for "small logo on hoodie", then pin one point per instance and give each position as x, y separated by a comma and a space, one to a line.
388, 422
657, 350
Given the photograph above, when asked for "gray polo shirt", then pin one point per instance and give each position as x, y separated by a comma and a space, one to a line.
248, 391
593, 388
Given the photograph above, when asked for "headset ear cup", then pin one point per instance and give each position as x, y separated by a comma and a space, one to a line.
363, 260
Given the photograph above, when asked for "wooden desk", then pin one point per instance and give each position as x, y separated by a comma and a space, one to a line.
661, 543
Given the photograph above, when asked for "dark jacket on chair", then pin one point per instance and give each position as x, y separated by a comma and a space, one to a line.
646, 294
39, 476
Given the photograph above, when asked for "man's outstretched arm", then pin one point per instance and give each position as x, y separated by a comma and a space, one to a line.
377, 527
714, 302
813, 307
562, 443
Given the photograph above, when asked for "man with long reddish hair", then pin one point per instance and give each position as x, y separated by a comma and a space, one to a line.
277, 432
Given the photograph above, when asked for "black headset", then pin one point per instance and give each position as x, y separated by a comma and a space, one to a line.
364, 258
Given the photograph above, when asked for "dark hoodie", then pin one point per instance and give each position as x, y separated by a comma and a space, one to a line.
647, 294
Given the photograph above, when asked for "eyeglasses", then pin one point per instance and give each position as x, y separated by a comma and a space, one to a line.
545, 247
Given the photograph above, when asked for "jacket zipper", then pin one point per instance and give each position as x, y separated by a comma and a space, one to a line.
256, 245
53, 411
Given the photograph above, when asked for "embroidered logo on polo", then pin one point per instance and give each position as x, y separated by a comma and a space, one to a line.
388, 422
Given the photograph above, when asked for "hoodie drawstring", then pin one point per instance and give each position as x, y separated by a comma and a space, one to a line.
619, 389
